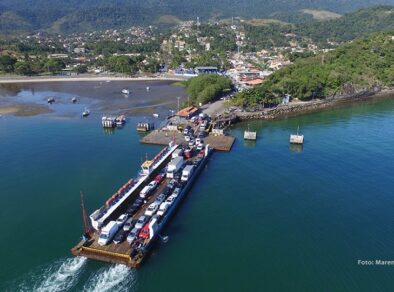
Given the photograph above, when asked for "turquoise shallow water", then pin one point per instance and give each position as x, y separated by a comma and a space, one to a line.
263, 217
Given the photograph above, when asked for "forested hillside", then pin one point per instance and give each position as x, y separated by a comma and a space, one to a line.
73, 15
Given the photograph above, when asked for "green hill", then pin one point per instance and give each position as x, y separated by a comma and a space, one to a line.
350, 68
73, 15
349, 26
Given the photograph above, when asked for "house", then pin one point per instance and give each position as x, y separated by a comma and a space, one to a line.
188, 112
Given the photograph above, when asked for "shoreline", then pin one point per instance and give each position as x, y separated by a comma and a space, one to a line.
82, 78
304, 107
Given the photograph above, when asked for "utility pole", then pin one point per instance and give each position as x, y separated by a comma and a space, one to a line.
178, 98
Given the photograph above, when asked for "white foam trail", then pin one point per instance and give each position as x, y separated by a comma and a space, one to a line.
114, 278
60, 276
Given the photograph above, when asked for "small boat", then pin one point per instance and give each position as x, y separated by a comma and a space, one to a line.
155, 115
125, 91
85, 113
147, 88
74, 99
51, 99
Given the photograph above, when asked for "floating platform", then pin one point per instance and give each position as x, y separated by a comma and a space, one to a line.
297, 139
249, 135
159, 137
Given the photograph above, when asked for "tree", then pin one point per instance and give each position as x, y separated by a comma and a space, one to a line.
7, 63
81, 69
206, 88
23, 68
54, 65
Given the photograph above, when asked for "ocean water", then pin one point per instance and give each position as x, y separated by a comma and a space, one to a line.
265, 216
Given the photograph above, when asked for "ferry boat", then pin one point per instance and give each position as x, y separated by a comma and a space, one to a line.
148, 167
133, 252
86, 113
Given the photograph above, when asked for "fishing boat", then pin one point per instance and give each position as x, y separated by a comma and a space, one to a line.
74, 99
297, 138
145, 127
86, 112
120, 120
51, 99
125, 91
108, 122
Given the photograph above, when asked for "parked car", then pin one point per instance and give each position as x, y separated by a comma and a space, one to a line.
172, 184
133, 235
187, 138
131, 210
176, 192
201, 134
200, 146
159, 178
170, 199
163, 208
166, 191
139, 201
141, 221
152, 184
160, 198
128, 224
120, 236
191, 143
122, 219
151, 209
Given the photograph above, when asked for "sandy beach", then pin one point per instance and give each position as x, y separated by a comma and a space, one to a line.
34, 79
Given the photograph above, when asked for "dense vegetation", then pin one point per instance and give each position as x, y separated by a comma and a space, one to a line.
206, 88
322, 33
356, 66
82, 15
350, 26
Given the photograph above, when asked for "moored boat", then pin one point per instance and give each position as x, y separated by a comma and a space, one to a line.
86, 113
108, 121
120, 120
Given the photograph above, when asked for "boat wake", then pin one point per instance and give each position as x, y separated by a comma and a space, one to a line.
59, 276
118, 278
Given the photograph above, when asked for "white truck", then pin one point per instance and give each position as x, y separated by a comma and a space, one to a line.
174, 166
187, 172
108, 232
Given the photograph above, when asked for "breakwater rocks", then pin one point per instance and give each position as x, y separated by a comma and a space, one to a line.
296, 108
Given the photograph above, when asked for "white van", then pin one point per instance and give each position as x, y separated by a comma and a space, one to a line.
108, 232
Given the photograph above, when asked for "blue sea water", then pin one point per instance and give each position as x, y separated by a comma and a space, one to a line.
265, 216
